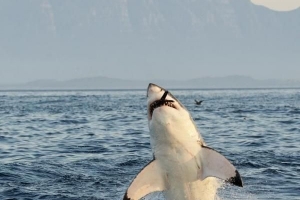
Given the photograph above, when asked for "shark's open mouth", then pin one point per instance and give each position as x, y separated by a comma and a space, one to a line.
161, 102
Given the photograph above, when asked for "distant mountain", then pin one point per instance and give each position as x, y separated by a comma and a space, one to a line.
112, 83
105, 35
241, 82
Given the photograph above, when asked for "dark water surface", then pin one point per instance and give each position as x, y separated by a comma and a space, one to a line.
90, 144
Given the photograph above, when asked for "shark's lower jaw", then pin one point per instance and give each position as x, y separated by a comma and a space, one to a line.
159, 103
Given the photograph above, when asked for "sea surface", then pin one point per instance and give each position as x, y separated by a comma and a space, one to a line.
90, 144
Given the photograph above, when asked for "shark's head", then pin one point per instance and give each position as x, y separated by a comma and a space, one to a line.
162, 103
164, 108
168, 119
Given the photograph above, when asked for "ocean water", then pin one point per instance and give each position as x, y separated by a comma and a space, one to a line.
90, 144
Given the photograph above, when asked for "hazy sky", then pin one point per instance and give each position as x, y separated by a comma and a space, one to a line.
148, 40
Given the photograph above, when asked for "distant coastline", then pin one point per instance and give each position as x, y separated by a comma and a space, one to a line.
105, 83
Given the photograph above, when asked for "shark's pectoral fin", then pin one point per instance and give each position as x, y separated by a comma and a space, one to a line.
148, 180
216, 165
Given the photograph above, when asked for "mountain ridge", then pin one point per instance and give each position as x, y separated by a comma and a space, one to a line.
101, 82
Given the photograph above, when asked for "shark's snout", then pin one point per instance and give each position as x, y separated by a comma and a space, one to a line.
152, 88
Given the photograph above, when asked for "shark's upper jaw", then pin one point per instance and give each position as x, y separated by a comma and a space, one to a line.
159, 103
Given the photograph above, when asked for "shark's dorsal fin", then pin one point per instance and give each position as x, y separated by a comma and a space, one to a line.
148, 180
216, 165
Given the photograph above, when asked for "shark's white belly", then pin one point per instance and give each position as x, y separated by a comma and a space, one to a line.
176, 152
182, 171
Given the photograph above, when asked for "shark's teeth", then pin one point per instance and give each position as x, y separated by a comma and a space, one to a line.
160, 103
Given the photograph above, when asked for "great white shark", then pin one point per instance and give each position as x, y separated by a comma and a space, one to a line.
182, 166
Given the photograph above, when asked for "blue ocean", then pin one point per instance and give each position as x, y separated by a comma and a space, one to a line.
90, 144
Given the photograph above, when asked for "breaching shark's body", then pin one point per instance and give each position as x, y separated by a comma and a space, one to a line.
183, 166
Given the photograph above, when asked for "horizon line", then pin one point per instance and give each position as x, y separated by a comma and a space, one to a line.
157, 79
